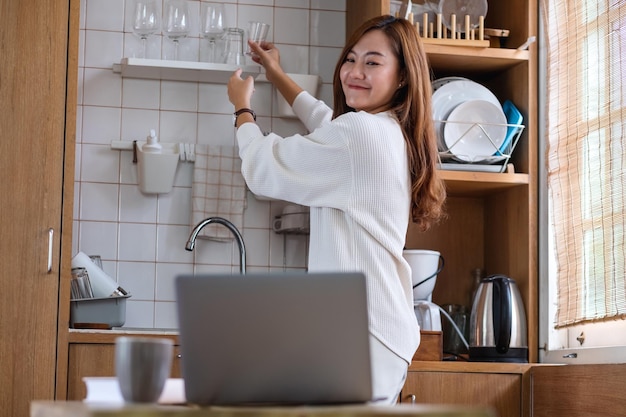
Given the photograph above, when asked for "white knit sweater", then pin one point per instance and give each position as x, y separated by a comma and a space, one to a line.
353, 173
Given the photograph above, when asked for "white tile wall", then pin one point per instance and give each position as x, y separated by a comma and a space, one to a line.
141, 238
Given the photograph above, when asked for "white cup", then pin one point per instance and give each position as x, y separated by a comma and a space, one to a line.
142, 366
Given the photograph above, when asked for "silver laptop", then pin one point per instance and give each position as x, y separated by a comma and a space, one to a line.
281, 338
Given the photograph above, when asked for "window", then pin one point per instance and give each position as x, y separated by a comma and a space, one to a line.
585, 160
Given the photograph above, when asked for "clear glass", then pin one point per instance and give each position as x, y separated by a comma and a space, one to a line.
212, 26
258, 33
176, 22
233, 46
146, 22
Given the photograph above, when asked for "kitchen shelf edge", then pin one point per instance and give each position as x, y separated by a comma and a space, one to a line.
158, 69
469, 183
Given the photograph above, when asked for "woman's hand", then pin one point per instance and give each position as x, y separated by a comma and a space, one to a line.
267, 55
240, 90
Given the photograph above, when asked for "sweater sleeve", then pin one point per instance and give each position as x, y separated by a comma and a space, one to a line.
312, 112
308, 169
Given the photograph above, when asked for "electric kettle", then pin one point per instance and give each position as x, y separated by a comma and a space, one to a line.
498, 322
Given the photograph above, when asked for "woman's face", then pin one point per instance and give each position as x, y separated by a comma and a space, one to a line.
370, 75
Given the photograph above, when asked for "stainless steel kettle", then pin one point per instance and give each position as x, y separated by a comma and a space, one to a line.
498, 322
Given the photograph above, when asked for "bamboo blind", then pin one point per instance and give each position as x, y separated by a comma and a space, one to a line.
586, 155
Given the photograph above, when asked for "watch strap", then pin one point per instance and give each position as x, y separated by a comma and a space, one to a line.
242, 111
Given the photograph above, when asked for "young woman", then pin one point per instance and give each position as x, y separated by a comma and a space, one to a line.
365, 170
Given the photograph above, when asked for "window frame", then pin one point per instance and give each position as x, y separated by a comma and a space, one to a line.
570, 352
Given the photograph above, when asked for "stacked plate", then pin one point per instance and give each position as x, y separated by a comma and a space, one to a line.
470, 123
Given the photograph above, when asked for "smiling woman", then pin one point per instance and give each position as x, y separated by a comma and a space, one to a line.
364, 169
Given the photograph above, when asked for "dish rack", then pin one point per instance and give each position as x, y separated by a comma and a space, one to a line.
496, 161
430, 26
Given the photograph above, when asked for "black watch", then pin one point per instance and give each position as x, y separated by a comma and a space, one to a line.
240, 112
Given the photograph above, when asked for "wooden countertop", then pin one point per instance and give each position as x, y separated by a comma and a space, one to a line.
475, 367
80, 409
109, 336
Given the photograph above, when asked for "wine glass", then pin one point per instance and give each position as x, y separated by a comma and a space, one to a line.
145, 22
212, 25
176, 22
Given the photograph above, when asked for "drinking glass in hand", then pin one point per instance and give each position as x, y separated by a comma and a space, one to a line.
145, 22
257, 34
176, 22
212, 26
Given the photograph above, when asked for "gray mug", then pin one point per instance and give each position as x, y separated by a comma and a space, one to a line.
142, 366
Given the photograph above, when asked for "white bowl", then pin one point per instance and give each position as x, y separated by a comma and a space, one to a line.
424, 263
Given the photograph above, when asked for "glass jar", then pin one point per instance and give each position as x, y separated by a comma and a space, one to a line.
233, 46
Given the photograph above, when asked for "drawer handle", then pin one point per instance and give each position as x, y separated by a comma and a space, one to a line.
50, 244
413, 398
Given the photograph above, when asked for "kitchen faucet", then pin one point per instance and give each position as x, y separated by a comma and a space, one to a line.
191, 243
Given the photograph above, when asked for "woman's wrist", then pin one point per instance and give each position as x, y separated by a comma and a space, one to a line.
244, 115
242, 105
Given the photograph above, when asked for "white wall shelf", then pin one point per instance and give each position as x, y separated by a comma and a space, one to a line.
181, 70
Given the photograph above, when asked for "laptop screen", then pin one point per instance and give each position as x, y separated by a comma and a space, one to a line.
279, 338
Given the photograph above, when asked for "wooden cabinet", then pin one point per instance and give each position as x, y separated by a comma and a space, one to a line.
492, 217
505, 389
38, 90
93, 354
578, 390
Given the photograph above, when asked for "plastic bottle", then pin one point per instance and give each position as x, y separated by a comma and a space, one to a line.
152, 144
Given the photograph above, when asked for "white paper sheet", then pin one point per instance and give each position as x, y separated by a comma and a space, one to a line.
107, 390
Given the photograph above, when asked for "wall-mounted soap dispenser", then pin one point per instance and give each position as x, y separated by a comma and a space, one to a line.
156, 165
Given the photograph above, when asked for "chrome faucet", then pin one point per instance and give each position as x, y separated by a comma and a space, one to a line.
191, 243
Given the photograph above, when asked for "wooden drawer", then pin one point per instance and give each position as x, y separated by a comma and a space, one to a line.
97, 359
504, 387
501, 391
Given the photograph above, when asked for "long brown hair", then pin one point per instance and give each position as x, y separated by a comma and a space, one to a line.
412, 106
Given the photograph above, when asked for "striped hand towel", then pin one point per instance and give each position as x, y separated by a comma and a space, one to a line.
218, 189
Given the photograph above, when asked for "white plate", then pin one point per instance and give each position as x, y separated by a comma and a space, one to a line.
450, 95
461, 8
445, 80
474, 130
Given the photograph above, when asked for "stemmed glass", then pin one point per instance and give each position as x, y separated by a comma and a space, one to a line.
146, 21
176, 22
212, 25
